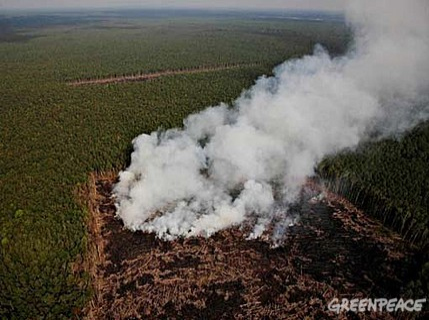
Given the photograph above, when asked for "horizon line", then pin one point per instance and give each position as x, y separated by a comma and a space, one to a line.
185, 8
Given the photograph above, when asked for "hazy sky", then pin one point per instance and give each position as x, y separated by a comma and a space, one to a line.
245, 4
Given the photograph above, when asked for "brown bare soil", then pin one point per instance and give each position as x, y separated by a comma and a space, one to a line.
333, 251
154, 75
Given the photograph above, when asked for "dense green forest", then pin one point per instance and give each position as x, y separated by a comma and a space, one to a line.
53, 135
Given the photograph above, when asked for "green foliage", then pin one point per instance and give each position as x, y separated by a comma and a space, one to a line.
52, 135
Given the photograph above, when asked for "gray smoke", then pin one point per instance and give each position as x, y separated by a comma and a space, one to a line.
246, 164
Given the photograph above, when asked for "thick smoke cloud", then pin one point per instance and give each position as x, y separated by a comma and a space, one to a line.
247, 163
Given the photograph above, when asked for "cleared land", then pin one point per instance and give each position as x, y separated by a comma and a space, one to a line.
334, 251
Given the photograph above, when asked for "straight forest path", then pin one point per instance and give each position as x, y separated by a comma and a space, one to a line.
154, 75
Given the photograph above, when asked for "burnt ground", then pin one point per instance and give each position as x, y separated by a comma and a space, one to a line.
333, 251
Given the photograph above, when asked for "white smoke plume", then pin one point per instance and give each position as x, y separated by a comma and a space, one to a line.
247, 163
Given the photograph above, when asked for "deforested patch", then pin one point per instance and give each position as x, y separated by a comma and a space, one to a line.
334, 250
